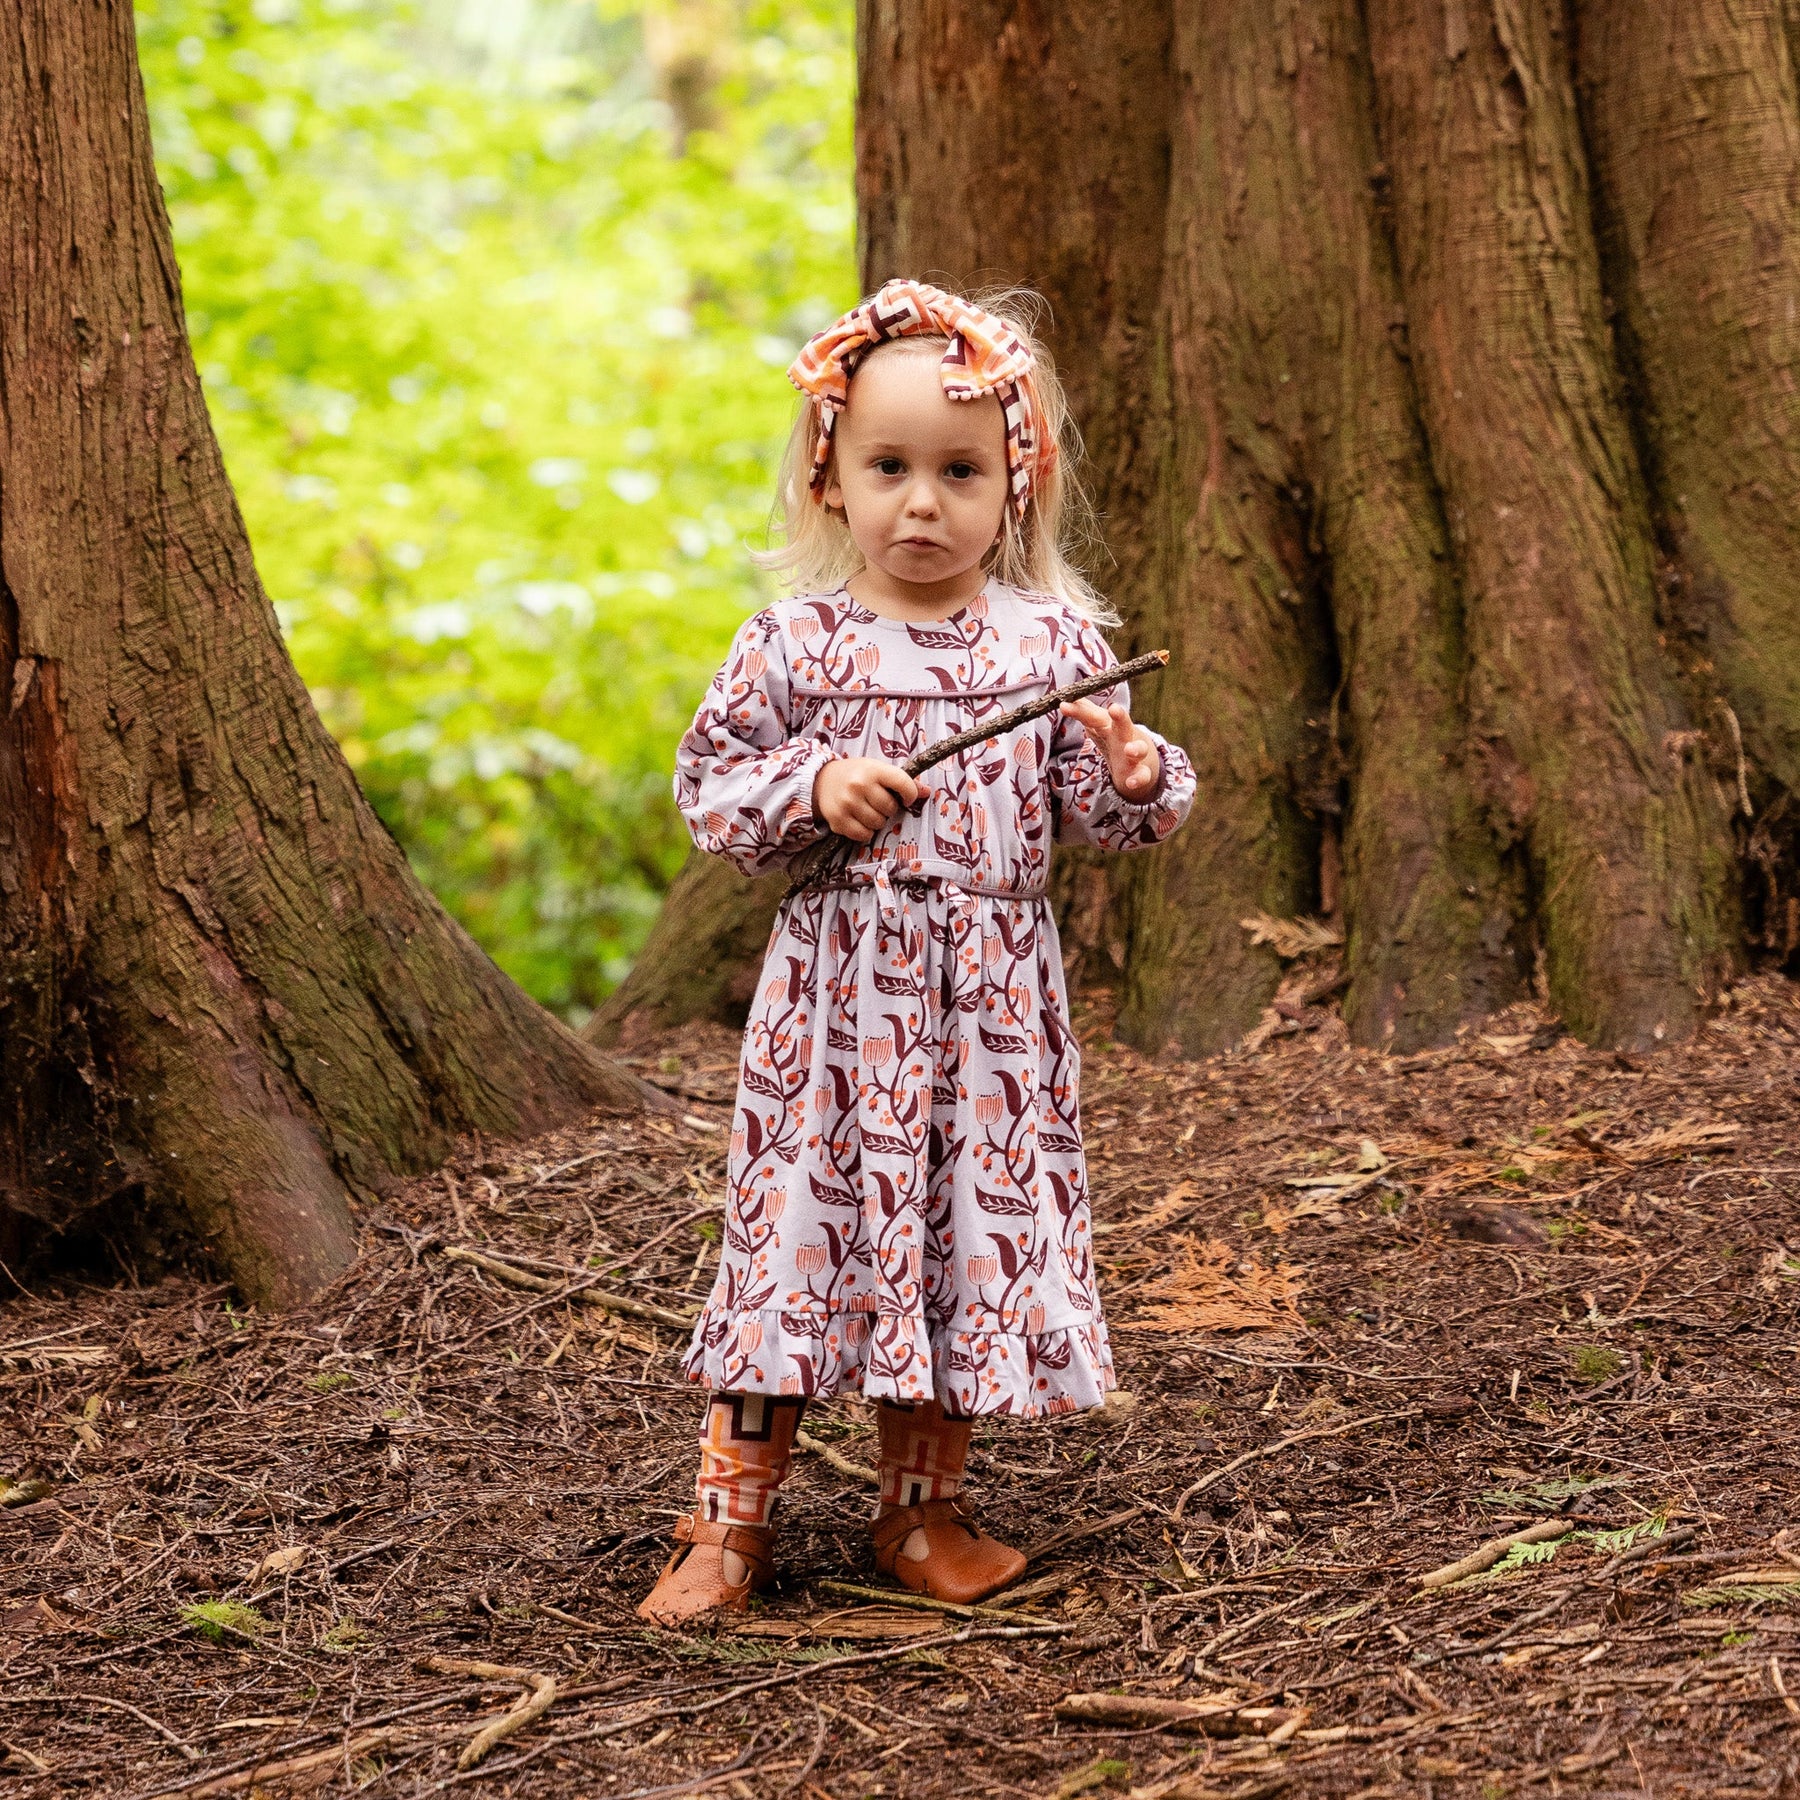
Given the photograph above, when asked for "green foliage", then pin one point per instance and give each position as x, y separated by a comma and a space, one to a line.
1520, 1556
328, 1381
345, 1637
1595, 1362
1547, 1496
1107, 1771
1610, 1543
216, 1620
1748, 1593
494, 344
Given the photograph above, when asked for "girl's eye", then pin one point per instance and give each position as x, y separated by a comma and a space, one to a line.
890, 465
962, 471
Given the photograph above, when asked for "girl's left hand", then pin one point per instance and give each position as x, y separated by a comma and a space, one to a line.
1130, 750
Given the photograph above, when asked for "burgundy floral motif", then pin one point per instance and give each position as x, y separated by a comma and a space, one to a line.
906, 1197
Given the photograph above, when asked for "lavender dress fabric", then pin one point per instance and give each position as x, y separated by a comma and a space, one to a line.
906, 1201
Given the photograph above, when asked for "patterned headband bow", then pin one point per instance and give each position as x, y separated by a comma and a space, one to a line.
985, 357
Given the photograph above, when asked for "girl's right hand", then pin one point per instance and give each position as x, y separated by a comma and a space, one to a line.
857, 795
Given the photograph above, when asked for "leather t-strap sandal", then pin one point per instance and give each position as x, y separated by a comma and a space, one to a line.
961, 1562
695, 1581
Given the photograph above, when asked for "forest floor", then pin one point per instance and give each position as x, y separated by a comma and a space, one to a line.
1369, 1313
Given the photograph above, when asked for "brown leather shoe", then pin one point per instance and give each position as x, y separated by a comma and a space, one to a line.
961, 1563
695, 1580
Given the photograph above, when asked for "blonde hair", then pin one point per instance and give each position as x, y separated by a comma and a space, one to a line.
1036, 554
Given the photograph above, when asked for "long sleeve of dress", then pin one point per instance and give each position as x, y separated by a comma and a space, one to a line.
742, 783
1088, 808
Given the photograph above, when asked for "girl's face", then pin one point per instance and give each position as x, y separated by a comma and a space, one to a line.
920, 479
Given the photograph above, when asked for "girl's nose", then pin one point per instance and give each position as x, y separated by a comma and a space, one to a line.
922, 501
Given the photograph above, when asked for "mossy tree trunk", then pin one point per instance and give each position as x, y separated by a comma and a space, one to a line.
1484, 620
221, 988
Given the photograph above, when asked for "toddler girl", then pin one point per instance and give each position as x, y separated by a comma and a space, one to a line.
906, 1202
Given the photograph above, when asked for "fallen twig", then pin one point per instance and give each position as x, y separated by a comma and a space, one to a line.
1059, 1540
1209, 1718
536, 1703
585, 1296
1484, 1556
925, 1603
804, 1440
1293, 1437
296, 1765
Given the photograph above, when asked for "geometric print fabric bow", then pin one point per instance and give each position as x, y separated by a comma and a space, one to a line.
985, 356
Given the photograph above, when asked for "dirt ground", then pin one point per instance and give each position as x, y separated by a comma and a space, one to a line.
1369, 1314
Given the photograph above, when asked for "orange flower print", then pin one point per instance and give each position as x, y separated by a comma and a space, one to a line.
868, 658
1033, 643
992, 950
775, 1204
737, 1142
749, 1336
805, 1050
982, 1268
795, 811
809, 1259
988, 1108
1034, 1319
755, 663
856, 1329
963, 1048
822, 1100
978, 607
1025, 753
978, 820
1018, 997
717, 824
877, 1050
802, 626
790, 1384
915, 1262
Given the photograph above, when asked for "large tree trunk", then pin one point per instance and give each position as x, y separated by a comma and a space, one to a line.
1694, 126
1574, 704
1332, 286
221, 987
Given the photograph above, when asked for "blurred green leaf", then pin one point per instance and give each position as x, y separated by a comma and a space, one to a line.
492, 302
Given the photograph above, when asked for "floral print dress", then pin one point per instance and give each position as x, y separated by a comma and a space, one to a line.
906, 1199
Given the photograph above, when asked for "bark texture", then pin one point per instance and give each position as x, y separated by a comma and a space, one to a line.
1485, 622
220, 984
1574, 705
1694, 126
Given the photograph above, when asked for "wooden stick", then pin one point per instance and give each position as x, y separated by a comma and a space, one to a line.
1295, 1437
587, 1296
1144, 1711
804, 1440
826, 859
531, 1706
854, 1590
1484, 1556
1152, 662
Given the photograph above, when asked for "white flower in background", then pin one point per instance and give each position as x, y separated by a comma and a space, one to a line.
634, 486
557, 471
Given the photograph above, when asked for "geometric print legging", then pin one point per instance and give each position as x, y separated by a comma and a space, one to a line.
747, 1442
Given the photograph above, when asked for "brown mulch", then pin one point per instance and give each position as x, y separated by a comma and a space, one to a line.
1529, 1282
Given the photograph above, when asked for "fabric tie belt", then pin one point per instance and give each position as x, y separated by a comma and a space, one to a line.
888, 888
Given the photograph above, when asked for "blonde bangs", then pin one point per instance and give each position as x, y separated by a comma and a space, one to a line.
1039, 554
